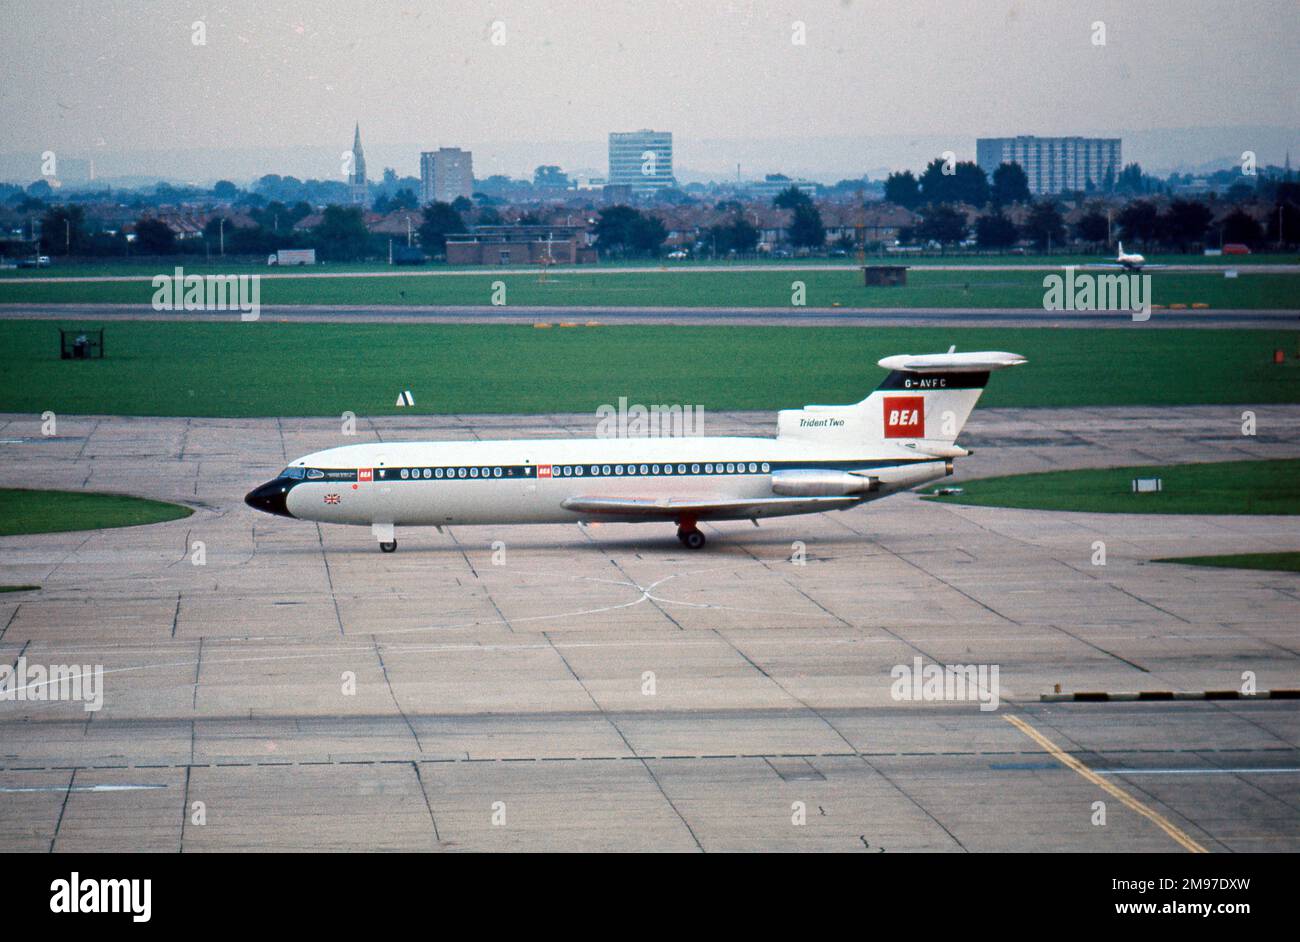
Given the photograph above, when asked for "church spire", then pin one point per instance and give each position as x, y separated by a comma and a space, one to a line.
357, 178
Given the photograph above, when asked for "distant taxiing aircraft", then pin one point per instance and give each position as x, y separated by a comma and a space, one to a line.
822, 458
1129, 261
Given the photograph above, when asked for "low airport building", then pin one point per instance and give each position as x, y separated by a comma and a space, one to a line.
520, 245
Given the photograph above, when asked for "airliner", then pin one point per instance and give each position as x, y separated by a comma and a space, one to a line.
824, 457
1131, 261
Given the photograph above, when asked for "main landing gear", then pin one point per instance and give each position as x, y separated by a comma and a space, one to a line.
389, 547
689, 534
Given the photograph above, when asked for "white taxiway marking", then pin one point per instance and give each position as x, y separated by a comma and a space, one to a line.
1195, 771
80, 788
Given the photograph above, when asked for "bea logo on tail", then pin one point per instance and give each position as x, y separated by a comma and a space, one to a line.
904, 417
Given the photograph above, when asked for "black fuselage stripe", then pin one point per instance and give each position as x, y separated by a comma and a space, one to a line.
631, 469
928, 382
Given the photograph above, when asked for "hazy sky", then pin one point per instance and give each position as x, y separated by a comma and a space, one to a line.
122, 75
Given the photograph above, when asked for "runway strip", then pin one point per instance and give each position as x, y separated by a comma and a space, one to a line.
575, 317
412, 272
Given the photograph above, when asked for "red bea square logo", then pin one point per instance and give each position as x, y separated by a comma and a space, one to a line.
366, 474
905, 417
543, 470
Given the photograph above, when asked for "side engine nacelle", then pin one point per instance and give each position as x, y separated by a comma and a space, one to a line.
815, 483
812, 483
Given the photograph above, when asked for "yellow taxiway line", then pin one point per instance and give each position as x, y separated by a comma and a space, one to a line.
1155, 817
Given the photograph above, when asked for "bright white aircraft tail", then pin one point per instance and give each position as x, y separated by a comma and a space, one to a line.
922, 404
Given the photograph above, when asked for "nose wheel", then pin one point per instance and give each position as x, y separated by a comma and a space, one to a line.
383, 534
691, 539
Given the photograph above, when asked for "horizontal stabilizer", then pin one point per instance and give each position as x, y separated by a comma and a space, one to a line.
981, 362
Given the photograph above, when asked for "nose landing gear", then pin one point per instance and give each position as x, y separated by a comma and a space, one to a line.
383, 532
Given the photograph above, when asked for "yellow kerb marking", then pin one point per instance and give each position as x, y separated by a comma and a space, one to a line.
1111, 788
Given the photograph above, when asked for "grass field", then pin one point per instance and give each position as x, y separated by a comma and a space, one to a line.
1273, 562
1227, 487
266, 368
24, 511
687, 288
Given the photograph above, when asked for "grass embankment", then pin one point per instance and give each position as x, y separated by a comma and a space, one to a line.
32, 511
264, 368
1223, 487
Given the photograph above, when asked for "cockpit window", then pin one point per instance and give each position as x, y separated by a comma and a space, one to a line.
296, 474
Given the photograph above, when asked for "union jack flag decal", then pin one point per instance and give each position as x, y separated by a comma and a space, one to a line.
331, 498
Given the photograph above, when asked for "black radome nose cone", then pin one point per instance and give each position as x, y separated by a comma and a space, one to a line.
270, 498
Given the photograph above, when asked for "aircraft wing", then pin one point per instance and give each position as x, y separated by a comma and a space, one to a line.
742, 508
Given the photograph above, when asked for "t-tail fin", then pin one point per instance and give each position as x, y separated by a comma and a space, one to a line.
922, 404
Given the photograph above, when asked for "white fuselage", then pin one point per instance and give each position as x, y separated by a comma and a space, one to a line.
824, 457
528, 481
1131, 261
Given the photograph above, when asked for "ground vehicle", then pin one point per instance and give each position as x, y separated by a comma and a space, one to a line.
679, 254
